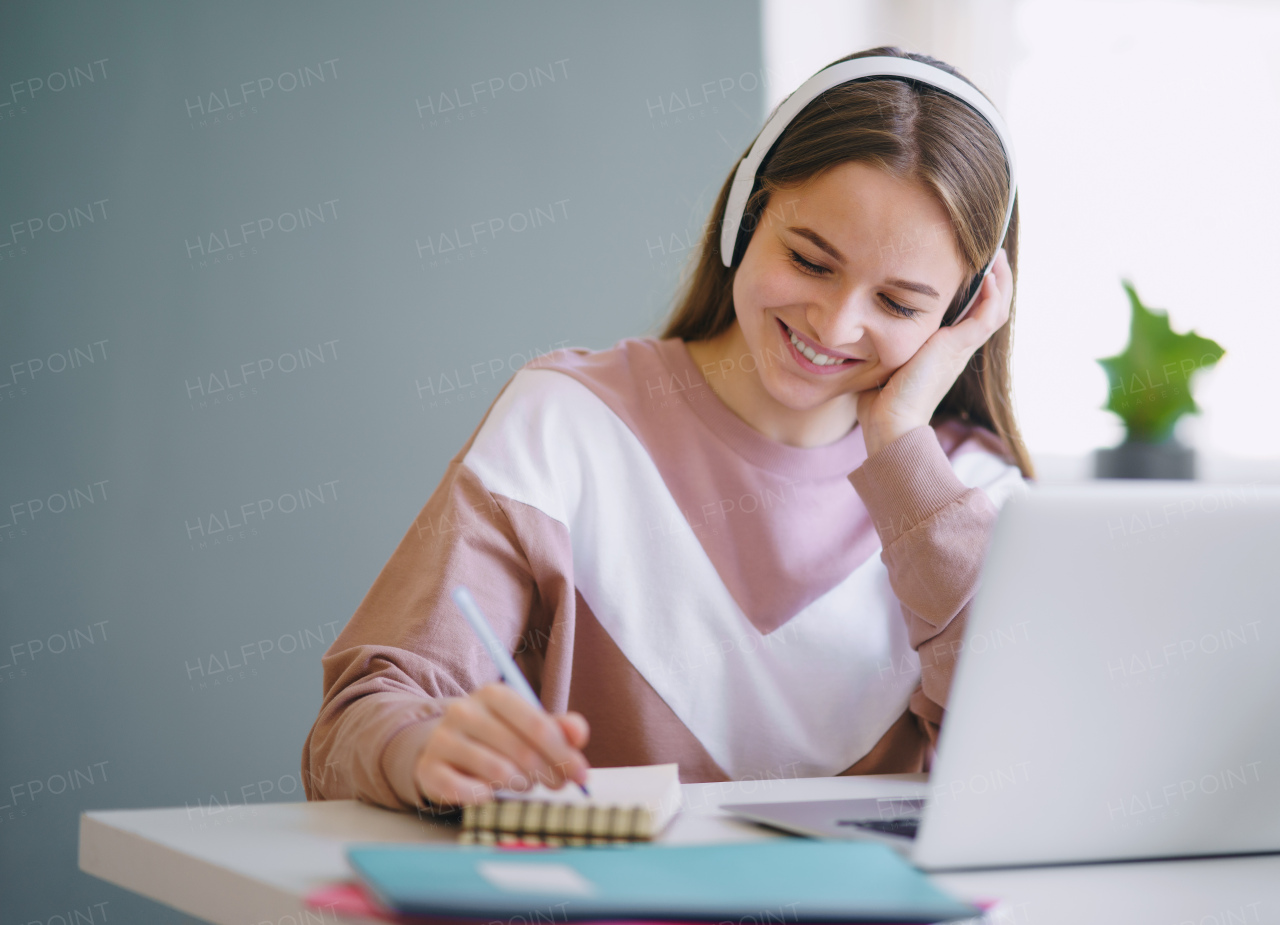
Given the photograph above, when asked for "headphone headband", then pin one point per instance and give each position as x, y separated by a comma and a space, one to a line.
842, 72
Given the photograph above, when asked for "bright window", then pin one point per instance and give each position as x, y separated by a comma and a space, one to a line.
1148, 136
1147, 139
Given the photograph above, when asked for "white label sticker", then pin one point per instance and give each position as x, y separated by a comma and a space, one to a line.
535, 878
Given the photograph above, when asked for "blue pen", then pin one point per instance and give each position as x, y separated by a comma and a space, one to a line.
507, 667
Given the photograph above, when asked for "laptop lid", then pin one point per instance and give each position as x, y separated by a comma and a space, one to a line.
1117, 684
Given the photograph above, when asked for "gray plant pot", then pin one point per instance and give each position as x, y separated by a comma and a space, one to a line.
1135, 459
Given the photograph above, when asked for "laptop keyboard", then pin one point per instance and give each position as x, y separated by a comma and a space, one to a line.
905, 827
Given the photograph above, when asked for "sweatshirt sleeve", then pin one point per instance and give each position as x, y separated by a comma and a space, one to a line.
934, 529
407, 651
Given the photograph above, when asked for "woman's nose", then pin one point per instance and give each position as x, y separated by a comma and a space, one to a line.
840, 325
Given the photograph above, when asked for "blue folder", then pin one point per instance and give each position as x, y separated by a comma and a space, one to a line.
782, 881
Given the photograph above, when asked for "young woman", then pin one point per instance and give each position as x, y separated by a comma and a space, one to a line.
748, 545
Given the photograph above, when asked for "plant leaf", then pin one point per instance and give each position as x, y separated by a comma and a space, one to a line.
1150, 382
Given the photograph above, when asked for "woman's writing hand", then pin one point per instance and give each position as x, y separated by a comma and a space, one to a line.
916, 388
494, 740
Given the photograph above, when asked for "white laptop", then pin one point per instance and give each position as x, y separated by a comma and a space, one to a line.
1117, 692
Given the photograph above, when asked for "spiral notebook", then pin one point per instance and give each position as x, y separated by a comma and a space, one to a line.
625, 805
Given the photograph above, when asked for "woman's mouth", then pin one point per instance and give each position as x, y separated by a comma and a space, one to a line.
811, 360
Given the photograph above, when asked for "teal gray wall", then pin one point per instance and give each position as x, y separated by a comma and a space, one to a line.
237, 351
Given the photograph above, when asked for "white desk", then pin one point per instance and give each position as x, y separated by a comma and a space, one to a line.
252, 865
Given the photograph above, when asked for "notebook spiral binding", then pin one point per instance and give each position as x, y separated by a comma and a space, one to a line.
534, 823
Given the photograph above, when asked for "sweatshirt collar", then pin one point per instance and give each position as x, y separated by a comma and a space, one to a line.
834, 460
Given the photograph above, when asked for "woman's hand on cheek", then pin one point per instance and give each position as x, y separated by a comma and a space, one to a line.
916, 388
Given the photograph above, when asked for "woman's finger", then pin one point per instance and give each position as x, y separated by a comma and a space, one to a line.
539, 730
447, 786
575, 729
491, 731
1002, 285
477, 760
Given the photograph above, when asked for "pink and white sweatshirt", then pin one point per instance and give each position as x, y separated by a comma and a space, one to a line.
698, 591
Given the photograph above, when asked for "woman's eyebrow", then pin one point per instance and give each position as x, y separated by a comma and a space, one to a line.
818, 240
921, 288
821, 242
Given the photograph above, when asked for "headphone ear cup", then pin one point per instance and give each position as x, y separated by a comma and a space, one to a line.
740, 246
967, 302
744, 229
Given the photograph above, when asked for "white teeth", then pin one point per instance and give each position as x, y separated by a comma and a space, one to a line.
818, 359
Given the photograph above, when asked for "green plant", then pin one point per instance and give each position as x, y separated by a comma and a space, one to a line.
1150, 381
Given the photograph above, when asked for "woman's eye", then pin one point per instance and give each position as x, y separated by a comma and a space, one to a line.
900, 310
805, 266
814, 269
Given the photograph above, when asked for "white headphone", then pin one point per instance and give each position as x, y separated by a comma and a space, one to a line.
745, 177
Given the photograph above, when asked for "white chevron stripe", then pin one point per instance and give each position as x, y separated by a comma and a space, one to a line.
809, 699
997, 478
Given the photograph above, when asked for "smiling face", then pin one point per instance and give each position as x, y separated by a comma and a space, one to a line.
855, 264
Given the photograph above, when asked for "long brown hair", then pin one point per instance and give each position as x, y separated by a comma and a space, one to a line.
913, 131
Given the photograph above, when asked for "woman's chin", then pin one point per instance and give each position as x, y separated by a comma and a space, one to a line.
803, 395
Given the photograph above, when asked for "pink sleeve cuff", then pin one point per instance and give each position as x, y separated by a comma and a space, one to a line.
905, 483
400, 755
